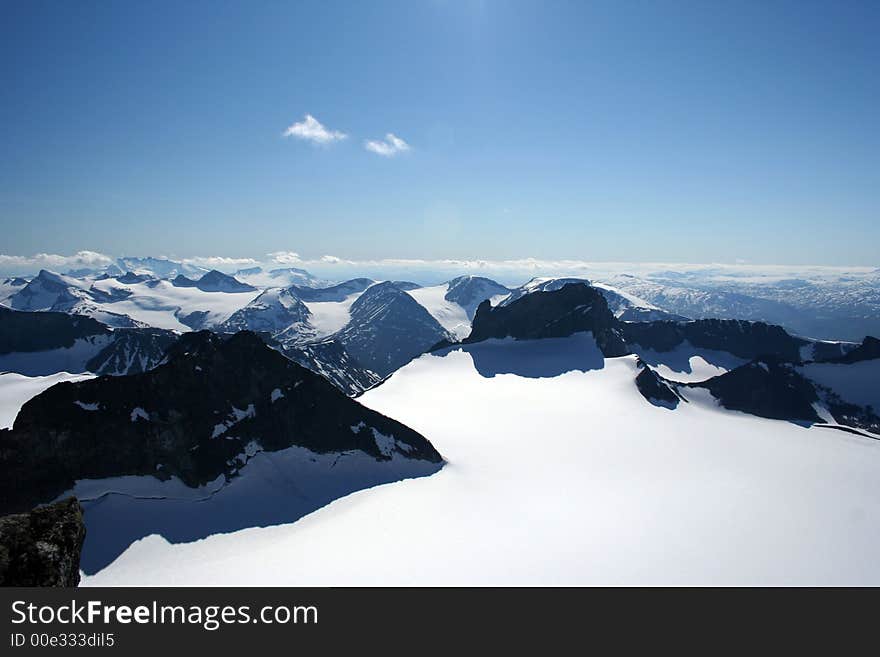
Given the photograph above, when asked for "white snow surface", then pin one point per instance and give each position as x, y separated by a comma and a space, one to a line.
159, 305
451, 316
686, 363
564, 480
328, 317
16, 389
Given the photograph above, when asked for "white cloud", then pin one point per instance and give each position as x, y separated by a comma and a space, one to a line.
54, 261
389, 147
284, 257
331, 259
314, 131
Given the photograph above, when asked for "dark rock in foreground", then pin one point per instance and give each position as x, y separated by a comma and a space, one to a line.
42, 548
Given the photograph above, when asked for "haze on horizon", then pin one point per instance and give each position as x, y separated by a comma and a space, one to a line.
474, 130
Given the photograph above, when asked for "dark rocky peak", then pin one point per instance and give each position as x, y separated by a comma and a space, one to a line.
217, 281
333, 293
388, 328
744, 339
559, 313
766, 387
42, 547
182, 281
471, 290
130, 278
216, 398
17, 281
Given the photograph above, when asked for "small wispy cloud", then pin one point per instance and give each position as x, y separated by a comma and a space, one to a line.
388, 147
284, 257
310, 129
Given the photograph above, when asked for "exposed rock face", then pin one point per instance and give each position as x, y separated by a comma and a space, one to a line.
217, 281
388, 328
868, 350
767, 388
559, 313
330, 359
740, 338
214, 281
42, 547
191, 418
132, 351
182, 281
130, 278
655, 389
272, 311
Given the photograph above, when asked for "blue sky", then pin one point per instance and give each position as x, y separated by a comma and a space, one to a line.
650, 131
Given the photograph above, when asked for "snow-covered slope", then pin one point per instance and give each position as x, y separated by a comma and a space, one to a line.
624, 305
454, 303
150, 302
272, 311
564, 478
16, 389
284, 277
159, 267
164, 305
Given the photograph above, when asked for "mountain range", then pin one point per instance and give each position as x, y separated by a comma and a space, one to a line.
535, 395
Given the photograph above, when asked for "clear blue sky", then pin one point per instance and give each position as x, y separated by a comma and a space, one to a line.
684, 131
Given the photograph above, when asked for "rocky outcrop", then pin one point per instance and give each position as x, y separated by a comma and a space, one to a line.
214, 399
330, 359
655, 389
868, 350
573, 308
132, 351
741, 338
767, 388
42, 547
